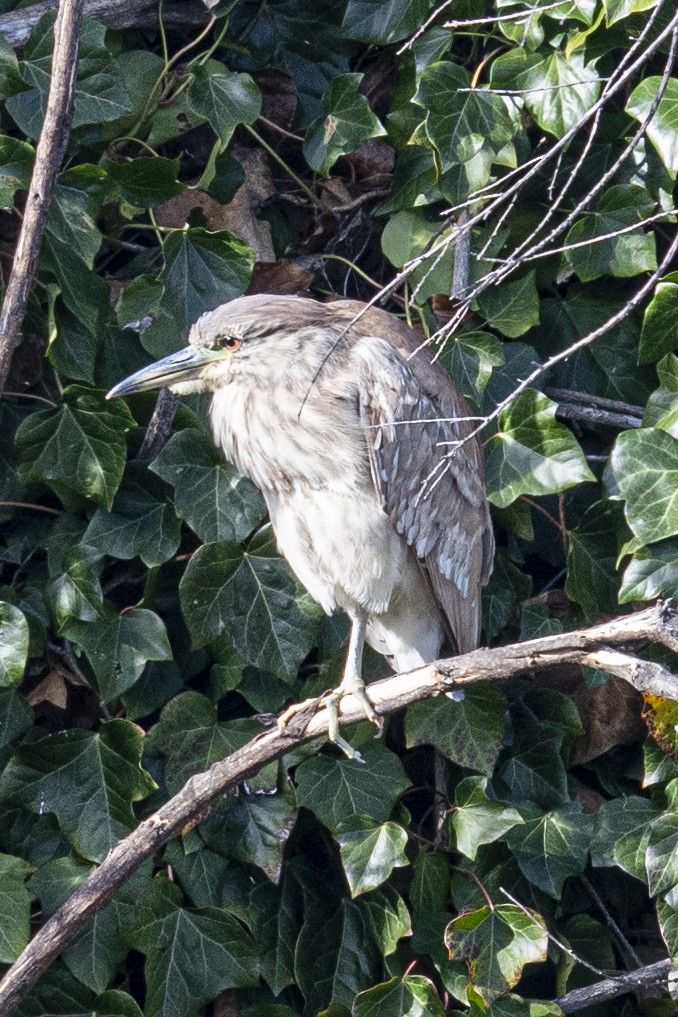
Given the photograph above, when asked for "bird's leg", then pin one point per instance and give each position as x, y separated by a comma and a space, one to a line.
352, 684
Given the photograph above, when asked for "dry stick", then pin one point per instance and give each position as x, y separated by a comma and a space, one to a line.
48, 155
620, 985
160, 425
16, 26
593, 646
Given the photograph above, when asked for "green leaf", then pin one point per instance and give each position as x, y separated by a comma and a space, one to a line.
192, 739
467, 730
216, 502
405, 236
73, 211
370, 852
145, 180
662, 130
618, 10
496, 944
253, 828
383, 21
16, 164
250, 596
470, 358
337, 789
89, 781
660, 323
13, 644
15, 906
479, 819
460, 121
558, 91
411, 996
603, 252
592, 579
532, 453
192, 954
621, 833
118, 646
512, 307
651, 573
661, 858
347, 122
644, 465
202, 271
223, 98
16, 716
551, 847
76, 592
79, 447
662, 407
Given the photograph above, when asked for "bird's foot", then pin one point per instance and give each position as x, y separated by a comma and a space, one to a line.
302, 713
350, 686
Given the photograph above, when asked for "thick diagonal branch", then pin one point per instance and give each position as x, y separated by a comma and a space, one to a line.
48, 156
596, 646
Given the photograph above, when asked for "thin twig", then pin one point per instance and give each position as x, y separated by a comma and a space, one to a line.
160, 425
48, 157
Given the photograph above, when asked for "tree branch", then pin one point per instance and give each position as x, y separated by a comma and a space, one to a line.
594, 646
48, 156
610, 988
18, 25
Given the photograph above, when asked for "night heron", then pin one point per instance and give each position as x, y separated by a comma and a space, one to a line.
342, 419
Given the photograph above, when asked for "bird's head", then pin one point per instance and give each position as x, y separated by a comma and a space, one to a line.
222, 341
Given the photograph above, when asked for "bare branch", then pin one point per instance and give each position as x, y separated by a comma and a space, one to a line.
18, 25
160, 425
620, 985
594, 646
48, 156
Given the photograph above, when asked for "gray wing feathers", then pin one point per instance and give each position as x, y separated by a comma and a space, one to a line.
447, 523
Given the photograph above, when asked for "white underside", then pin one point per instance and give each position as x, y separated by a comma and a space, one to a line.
355, 561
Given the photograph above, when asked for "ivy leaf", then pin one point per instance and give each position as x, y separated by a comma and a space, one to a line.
202, 270
618, 10
469, 731
532, 453
460, 121
383, 21
15, 906
370, 852
644, 466
512, 307
662, 130
592, 579
662, 407
496, 944
118, 646
16, 716
14, 638
621, 833
660, 323
216, 502
661, 858
145, 181
411, 996
223, 98
192, 954
79, 447
16, 164
478, 819
558, 91
337, 789
253, 829
347, 122
252, 597
552, 846
470, 358
73, 211
622, 255
651, 573
76, 591
192, 739
89, 781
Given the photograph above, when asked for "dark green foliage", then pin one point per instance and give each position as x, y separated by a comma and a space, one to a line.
146, 619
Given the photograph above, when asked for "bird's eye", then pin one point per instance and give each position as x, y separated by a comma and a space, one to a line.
231, 342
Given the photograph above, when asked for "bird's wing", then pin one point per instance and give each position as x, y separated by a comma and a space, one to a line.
410, 410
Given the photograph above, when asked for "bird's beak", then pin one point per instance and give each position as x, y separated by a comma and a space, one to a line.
186, 365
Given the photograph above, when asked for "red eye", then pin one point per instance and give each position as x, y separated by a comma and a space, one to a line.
231, 342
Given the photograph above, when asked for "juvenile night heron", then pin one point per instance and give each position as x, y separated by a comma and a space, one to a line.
340, 418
